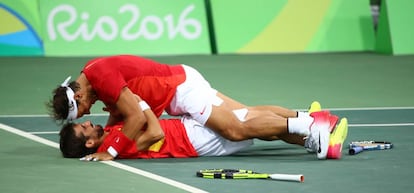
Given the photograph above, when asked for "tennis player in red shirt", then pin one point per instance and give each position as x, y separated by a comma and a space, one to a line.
183, 138
179, 90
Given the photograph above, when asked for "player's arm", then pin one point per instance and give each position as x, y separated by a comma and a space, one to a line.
114, 115
113, 119
153, 132
134, 120
144, 139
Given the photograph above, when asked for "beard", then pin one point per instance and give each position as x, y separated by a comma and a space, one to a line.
91, 96
99, 130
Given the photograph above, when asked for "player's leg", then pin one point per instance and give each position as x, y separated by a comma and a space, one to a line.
213, 109
293, 139
272, 118
319, 140
278, 110
262, 124
206, 142
254, 111
295, 120
223, 121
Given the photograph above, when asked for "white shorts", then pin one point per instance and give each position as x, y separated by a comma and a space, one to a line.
194, 97
206, 142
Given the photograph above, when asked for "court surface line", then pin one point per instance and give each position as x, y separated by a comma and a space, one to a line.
350, 125
111, 163
331, 109
381, 125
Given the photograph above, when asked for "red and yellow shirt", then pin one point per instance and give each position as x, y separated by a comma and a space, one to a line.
175, 144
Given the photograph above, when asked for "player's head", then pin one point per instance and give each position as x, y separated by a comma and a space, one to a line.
70, 102
81, 139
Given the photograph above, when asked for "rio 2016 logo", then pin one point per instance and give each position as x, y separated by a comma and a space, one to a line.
149, 27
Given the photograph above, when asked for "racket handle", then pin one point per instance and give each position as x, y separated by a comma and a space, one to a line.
288, 177
355, 150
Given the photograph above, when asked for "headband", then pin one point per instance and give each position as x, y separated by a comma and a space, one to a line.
73, 106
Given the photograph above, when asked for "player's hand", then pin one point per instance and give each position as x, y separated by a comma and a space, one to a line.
102, 156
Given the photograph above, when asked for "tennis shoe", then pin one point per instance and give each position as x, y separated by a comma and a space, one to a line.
333, 119
318, 139
336, 140
314, 107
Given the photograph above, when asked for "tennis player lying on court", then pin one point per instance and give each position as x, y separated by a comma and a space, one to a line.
175, 89
182, 138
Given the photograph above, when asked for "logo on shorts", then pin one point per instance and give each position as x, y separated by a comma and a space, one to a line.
204, 109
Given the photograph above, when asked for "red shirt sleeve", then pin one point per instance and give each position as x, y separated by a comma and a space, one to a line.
128, 148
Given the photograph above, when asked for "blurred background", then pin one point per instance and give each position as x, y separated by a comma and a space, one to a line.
65, 28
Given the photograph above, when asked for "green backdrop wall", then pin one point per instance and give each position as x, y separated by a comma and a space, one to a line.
396, 27
257, 26
164, 27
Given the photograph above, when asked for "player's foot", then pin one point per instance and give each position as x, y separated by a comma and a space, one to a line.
337, 139
314, 107
318, 140
333, 119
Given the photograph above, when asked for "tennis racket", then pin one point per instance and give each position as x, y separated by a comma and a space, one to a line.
356, 147
246, 174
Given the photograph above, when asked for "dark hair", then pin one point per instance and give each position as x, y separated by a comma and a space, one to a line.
58, 106
71, 145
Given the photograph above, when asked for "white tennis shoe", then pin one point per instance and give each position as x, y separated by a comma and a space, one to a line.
318, 139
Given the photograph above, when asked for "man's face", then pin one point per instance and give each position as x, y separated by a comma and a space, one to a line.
84, 107
92, 133
85, 99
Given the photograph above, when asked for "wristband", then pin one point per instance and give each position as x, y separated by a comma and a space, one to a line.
119, 143
112, 151
144, 106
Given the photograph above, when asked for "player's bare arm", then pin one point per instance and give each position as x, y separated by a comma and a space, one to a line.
144, 138
114, 115
153, 132
134, 118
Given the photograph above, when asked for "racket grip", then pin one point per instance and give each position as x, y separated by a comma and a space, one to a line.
288, 177
355, 150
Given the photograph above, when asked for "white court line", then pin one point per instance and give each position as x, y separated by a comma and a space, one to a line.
43, 132
381, 125
111, 163
350, 125
29, 136
371, 108
331, 109
43, 115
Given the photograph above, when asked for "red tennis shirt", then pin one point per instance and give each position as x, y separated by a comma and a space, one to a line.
154, 82
176, 143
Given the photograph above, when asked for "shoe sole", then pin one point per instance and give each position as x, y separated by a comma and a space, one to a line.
336, 140
324, 139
